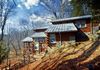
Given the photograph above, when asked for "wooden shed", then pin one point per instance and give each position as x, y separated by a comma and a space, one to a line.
28, 44
40, 38
40, 41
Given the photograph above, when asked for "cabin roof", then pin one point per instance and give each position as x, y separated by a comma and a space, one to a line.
39, 34
27, 39
39, 28
72, 18
61, 28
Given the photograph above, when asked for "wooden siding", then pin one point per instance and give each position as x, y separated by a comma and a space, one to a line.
64, 37
87, 28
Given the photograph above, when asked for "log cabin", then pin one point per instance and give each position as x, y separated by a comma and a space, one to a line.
81, 22
67, 30
74, 29
61, 33
84, 23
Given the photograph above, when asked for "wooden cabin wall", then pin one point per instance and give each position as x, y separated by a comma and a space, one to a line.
64, 37
86, 29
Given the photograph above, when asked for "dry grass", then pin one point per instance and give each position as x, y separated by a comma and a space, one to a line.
59, 56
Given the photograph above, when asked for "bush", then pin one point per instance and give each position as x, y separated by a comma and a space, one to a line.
4, 51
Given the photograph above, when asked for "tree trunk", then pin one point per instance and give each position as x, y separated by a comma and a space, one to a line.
2, 29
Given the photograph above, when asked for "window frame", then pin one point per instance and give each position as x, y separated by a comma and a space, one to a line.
54, 38
72, 39
81, 24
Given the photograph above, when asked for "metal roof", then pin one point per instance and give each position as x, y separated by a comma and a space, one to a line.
27, 39
39, 34
37, 28
61, 28
72, 18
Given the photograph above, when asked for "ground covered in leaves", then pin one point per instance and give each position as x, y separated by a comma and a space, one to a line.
84, 56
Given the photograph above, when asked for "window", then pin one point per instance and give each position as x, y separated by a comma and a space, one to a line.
80, 24
35, 39
72, 39
36, 47
40, 39
52, 38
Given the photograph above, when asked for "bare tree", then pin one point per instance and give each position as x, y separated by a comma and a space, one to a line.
59, 8
6, 7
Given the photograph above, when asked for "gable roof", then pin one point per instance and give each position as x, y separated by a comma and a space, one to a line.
72, 18
39, 34
61, 28
27, 39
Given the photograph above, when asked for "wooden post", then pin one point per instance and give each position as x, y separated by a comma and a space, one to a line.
60, 38
33, 47
47, 40
40, 47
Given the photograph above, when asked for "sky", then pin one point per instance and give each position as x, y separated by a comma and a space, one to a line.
28, 10
26, 13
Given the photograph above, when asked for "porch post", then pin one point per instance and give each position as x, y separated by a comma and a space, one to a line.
60, 38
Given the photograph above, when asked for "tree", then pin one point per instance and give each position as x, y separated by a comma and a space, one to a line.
92, 5
59, 8
6, 7
3, 52
80, 7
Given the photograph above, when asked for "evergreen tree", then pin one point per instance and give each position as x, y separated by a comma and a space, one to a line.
80, 7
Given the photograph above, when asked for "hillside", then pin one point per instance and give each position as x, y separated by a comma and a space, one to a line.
80, 57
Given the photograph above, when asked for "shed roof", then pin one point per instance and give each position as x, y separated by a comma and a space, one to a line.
39, 34
39, 28
61, 28
27, 39
72, 18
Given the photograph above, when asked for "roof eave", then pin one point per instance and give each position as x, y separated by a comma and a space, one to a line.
70, 19
63, 31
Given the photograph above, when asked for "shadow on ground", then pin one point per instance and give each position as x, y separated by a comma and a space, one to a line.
72, 64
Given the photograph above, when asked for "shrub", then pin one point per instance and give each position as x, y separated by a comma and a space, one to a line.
4, 51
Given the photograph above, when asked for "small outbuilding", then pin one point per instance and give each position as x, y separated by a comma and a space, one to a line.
28, 43
27, 40
39, 40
